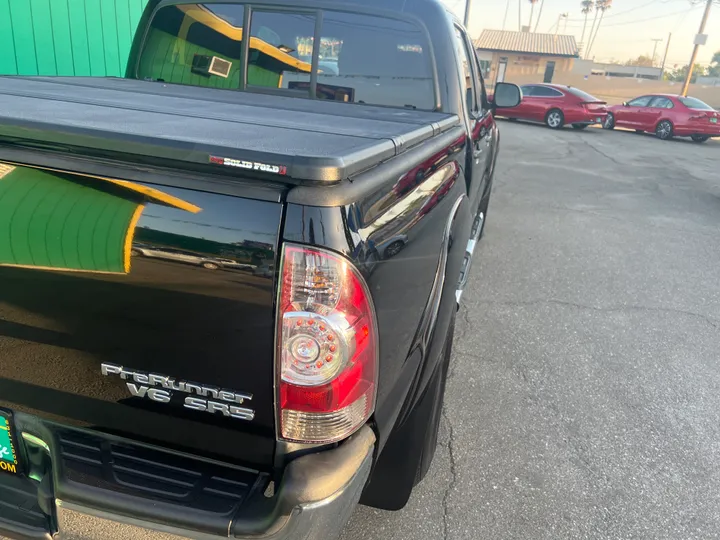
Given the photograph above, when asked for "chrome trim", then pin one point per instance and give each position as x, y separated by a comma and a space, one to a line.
469, 252
35, 441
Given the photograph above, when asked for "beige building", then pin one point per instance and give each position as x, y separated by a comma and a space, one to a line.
504, 54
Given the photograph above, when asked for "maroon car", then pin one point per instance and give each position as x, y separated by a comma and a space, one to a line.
667, 116
556, 106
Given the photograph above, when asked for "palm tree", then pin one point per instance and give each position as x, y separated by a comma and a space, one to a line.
587, 7
532, 9
602, 6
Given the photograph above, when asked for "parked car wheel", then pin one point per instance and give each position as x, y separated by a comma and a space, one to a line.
579, 126
664, 130
609, 122
394, 248
555, 119
210, 265
699, 138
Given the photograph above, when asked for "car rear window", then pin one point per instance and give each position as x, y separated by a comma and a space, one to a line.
694, 103
582, 95
361, 58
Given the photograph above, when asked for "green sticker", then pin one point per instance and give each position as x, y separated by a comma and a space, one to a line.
8, 459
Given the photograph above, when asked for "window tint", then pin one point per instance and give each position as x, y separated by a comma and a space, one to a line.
194, 44
527, 90
694, 103
661, 102
281, 46
582, 95
374, 60
640, 102
546, 91
466, 72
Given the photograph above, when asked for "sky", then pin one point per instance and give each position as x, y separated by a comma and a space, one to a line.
626, 32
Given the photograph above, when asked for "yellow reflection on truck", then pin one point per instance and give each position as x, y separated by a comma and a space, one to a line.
54, 220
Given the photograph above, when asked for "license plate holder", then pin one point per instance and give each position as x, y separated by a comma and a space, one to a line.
9, 451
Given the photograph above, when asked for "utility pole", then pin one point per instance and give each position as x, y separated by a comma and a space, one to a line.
698, 41
466, 20
667, 49
656, 40
519, 15
537, 23
557, 26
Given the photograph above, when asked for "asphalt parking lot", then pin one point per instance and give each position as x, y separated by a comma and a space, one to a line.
584, 398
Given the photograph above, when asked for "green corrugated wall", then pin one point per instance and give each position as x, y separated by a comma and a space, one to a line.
67, 37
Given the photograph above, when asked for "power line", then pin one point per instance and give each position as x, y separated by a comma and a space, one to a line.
620, 13
636, 21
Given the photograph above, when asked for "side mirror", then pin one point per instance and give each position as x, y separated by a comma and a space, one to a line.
625, 104
506, 95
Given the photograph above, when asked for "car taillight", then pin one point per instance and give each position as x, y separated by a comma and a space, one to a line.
327, 347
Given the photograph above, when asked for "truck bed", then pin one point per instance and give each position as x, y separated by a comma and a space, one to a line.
306, 140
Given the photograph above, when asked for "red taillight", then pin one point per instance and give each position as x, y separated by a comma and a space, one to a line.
327, 347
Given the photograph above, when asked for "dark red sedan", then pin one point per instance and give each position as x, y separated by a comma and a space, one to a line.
667, 116
557, 105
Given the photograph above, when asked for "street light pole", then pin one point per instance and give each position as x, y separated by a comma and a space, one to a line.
693, 58
466, 20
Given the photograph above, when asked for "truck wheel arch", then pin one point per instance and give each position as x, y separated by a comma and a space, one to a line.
404, 451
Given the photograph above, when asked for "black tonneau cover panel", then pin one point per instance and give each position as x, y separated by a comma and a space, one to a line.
313, 140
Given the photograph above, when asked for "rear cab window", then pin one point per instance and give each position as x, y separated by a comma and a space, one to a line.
357, 59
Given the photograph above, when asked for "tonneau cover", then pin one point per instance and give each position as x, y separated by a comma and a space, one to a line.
314, 140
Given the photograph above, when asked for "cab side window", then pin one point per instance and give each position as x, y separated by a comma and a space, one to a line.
466, 72
484, 103
640, 102
545, 91
661, 103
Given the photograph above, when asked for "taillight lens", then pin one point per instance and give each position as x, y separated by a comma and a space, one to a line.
327, 347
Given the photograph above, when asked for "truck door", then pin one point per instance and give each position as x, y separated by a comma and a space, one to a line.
479, 123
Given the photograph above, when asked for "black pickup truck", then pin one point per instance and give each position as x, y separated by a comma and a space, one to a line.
229, 280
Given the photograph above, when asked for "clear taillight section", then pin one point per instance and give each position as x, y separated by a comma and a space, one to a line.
327, 347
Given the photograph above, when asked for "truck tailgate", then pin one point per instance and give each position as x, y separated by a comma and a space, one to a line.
141, 310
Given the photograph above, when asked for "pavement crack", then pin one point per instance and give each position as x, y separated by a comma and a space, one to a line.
607, 309
453, 474
603, 154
